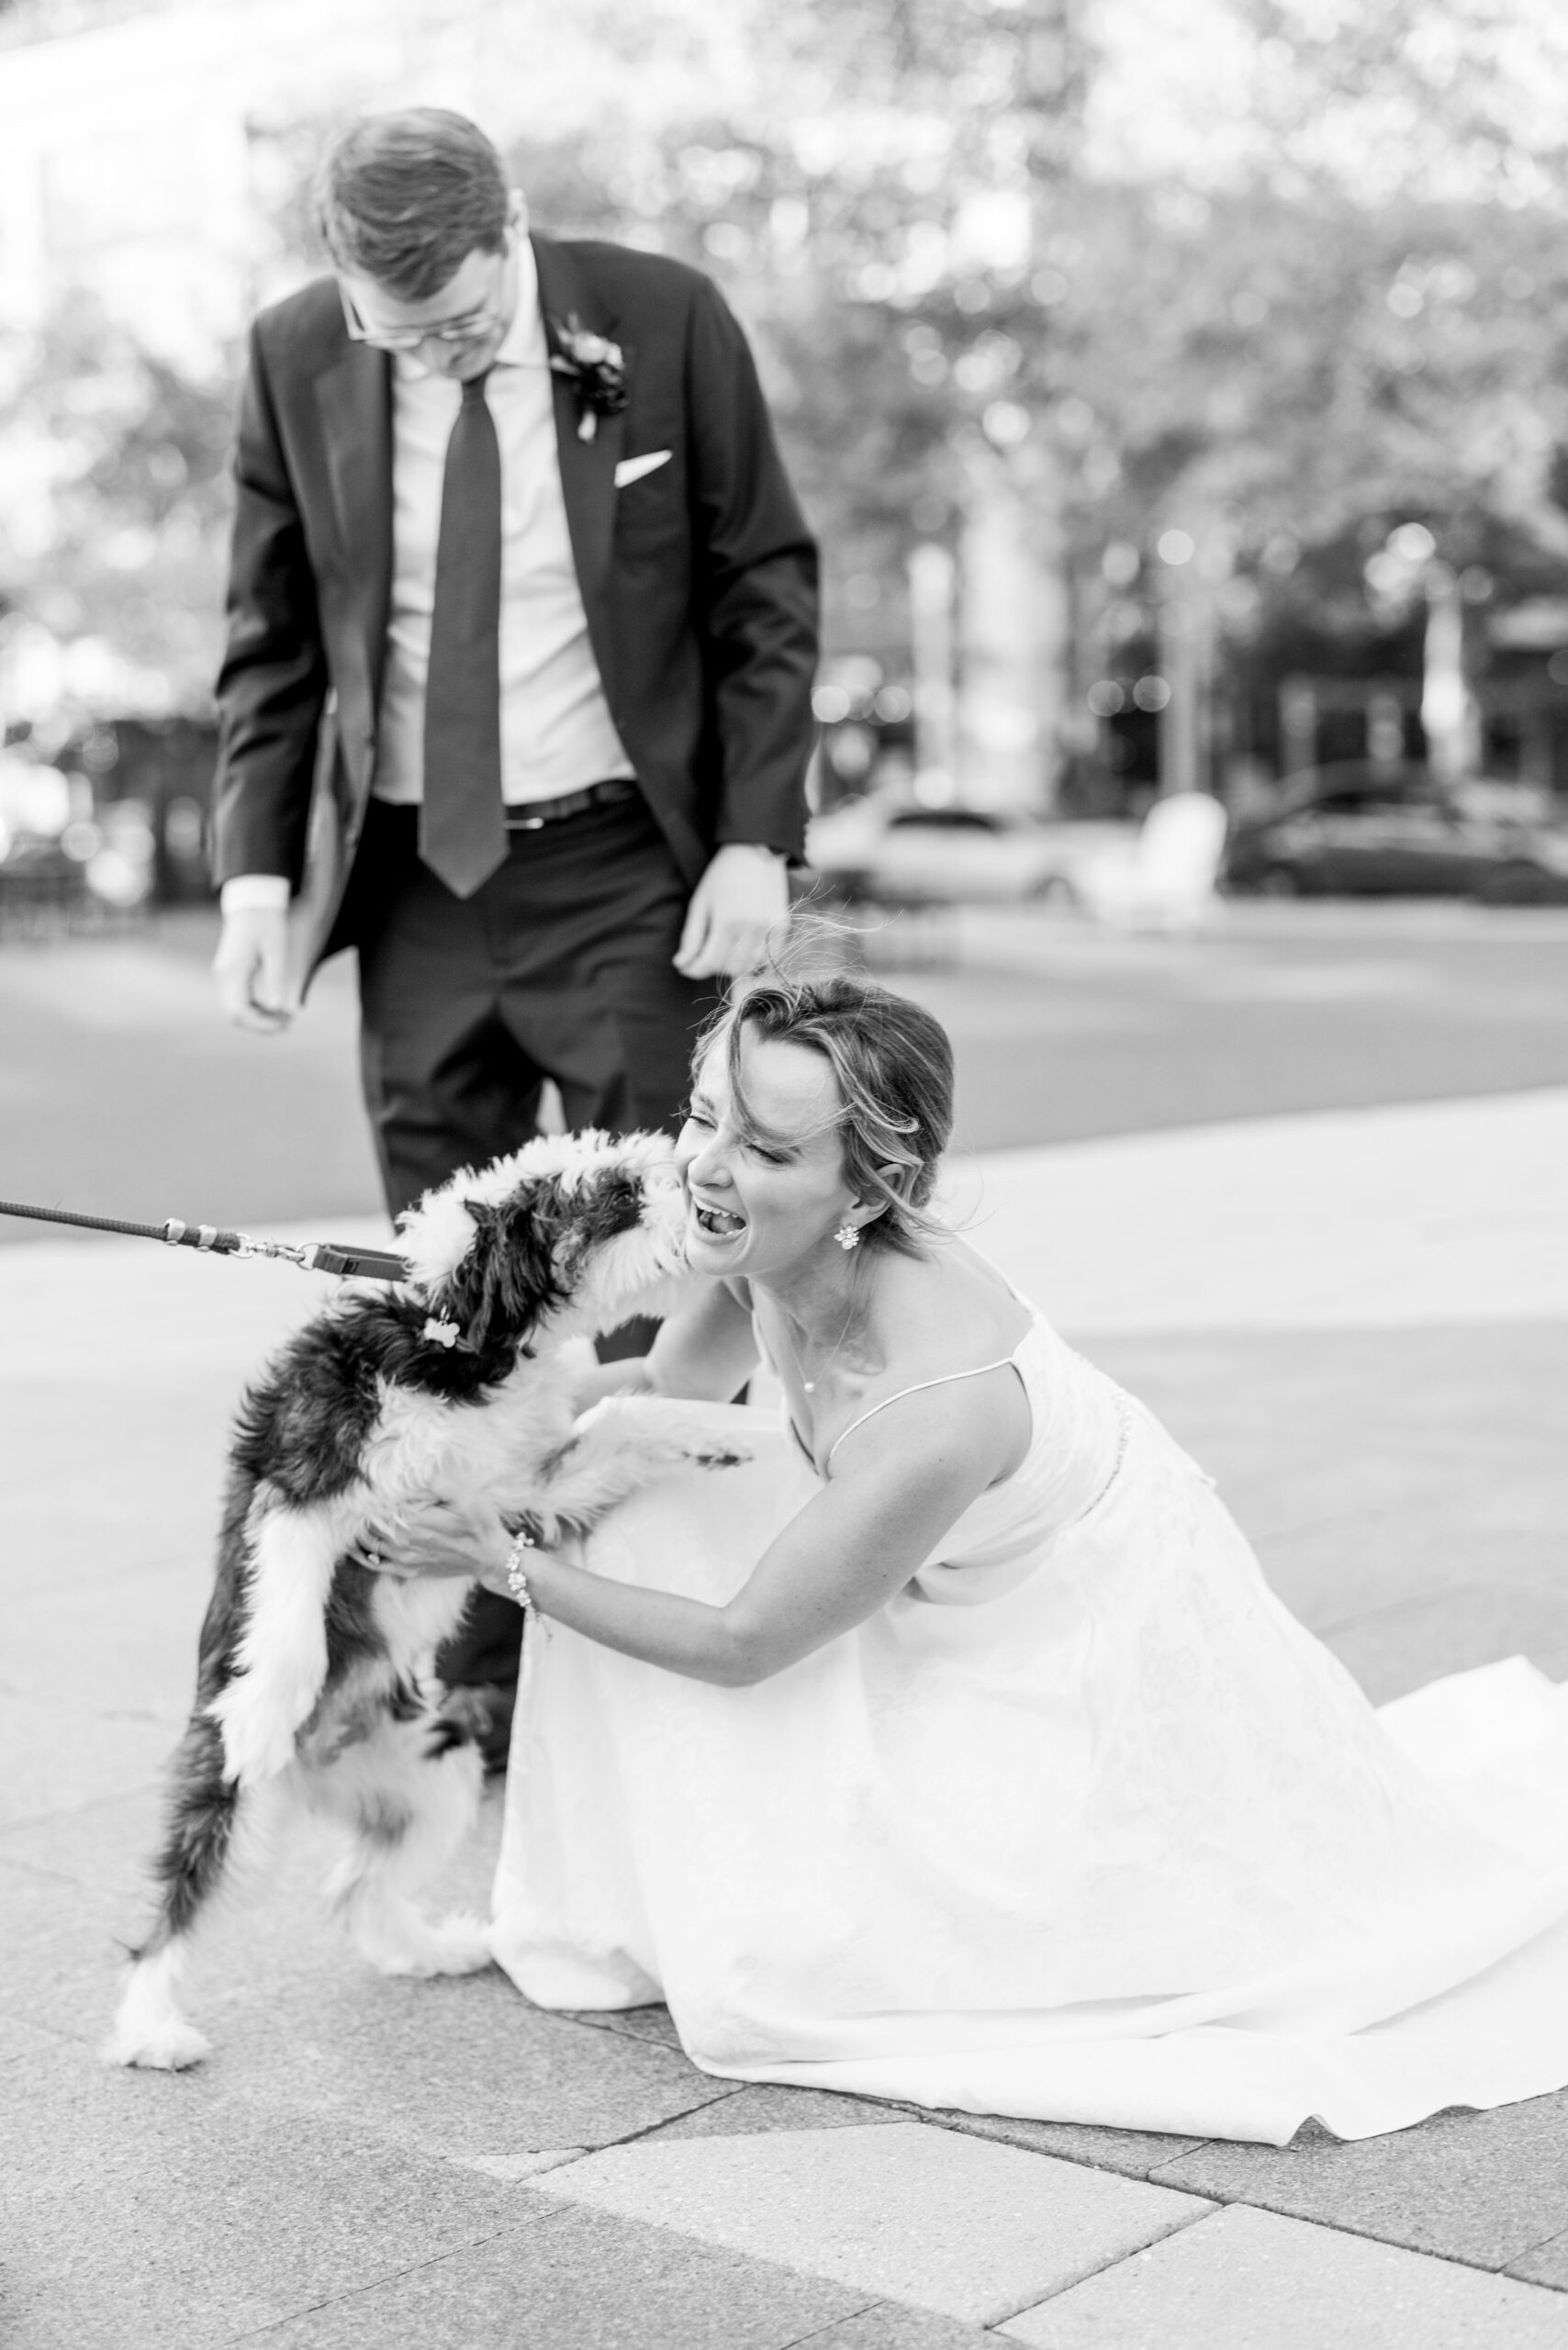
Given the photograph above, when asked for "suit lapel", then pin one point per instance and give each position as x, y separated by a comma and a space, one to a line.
587, 467
354, 397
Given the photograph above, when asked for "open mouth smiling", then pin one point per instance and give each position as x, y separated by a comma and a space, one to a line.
719, 1224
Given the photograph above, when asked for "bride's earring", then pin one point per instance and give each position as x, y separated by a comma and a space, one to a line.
848, 1236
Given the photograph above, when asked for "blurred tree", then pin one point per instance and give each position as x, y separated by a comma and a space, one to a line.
113, 479
1277, 273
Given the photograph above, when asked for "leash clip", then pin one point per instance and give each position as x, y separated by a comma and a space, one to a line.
247, 1247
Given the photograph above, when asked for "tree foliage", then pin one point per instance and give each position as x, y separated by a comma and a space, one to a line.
113, 476
957, 258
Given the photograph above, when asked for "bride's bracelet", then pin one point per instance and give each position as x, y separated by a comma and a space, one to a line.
522, 1542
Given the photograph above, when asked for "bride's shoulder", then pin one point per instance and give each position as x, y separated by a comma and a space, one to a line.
949, 1310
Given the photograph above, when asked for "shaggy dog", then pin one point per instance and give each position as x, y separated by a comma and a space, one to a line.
314, 1689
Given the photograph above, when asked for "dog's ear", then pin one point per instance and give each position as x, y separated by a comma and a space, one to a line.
505, 1279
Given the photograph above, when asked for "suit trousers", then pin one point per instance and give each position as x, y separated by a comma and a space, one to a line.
559, 966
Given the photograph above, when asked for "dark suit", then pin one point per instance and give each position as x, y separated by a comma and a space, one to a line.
698, 587
698, 581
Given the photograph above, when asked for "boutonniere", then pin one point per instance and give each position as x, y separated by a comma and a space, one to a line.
596, 366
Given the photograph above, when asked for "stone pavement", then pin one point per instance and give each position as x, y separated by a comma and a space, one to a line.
1358, 1321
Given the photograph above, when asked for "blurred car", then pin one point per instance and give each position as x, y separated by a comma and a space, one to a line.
1353, 829
912, 855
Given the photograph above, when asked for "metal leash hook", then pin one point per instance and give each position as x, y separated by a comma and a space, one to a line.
291, 1252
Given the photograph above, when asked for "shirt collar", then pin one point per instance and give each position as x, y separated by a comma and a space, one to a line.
522, 346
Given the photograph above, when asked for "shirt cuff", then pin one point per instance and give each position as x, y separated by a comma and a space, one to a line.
255, 893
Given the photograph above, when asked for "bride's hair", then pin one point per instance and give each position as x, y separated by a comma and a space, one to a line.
891, 1062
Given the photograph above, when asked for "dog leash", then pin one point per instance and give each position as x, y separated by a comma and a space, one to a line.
311, 1256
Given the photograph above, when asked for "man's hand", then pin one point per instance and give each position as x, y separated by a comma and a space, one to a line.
249, 966
742, 897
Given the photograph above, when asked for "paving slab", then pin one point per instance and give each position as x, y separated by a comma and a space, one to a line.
1284, 1407
1393, 1650
131, 1641
61, 1958
654, 2023
1482, 2187
912, 2213
473, 2071
1428, 1544
21, 2041
263, 1967
461, 2066
106, 1844
571, 2279
55, 1755
1392, 1215
155, 2209
1243, 2279
1546, 2264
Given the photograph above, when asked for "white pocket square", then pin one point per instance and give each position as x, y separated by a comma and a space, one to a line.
632, 468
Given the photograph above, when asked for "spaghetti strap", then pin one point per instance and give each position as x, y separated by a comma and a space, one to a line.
945, 1380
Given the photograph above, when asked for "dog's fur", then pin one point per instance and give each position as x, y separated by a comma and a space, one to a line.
315, 1687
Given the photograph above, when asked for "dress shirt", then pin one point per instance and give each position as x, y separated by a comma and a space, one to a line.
557, 732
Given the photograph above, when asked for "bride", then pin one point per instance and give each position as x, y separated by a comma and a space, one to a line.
954, 1749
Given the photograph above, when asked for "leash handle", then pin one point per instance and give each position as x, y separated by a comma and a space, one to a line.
208, 1236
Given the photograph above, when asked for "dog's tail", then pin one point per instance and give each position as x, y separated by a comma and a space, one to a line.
190, 1865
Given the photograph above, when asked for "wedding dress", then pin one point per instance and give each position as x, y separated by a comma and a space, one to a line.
1083, 1825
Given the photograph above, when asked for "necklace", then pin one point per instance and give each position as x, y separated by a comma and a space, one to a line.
809, 1386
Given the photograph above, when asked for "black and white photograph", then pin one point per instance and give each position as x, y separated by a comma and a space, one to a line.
784, 1175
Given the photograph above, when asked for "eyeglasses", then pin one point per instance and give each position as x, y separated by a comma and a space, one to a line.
450, 333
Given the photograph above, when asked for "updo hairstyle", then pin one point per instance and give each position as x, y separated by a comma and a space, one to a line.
893, 1068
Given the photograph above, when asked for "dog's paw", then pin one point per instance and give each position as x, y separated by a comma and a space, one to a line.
425, 1946
171, 2045
464, 1942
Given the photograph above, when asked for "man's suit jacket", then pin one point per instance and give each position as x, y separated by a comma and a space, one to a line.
698, 579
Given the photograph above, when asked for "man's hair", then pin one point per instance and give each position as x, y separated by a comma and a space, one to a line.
406, 198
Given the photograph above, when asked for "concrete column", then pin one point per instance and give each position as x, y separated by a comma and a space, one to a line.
1014, 639
931, 586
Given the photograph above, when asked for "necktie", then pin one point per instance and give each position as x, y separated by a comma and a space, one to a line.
463, 835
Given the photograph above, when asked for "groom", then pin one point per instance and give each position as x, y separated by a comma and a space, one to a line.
521, 633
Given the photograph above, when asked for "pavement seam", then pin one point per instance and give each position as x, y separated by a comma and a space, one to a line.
966, 2126
390, 2277
636, 2137
1118, 2259
845, 2317
1347, 2228
1558, 2236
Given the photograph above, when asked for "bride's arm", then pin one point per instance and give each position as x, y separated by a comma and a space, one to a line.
908, 1476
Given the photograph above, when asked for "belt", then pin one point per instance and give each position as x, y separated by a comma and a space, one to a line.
531, 815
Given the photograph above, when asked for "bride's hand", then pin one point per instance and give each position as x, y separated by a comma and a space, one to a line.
440, 1539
